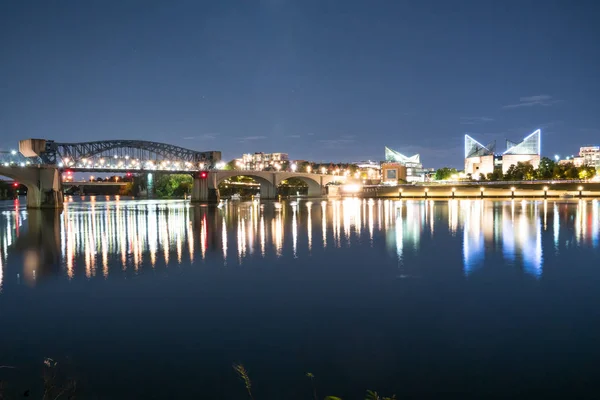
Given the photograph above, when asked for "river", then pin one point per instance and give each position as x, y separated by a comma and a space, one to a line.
448, 299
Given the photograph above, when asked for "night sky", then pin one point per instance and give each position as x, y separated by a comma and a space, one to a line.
320, 80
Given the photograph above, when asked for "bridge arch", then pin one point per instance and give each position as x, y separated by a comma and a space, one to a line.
268, 186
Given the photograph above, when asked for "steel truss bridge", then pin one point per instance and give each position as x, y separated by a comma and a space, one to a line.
118, 155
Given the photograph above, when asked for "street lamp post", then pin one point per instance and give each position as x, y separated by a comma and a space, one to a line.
545, 191
426, 190
580, 188
482, 190
400, 193
512, 189
453, 190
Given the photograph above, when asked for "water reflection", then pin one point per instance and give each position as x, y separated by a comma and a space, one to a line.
107, 238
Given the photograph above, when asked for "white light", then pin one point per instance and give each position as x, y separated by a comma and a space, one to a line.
22, 164
13, 152
116, 156
60, 165
556, 157
220, 165
294, 167
352, 188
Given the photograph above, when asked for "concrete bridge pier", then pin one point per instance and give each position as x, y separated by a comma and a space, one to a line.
268, 190
205, 190
48, 192
44, 185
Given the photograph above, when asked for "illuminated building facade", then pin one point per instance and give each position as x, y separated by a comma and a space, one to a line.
480, 159
260, 161
414, 169
590, 155
393, 173
526, 151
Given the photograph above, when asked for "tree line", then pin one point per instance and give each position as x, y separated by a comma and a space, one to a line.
547, 169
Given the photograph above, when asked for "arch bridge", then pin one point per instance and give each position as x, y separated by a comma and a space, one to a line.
118, 155
206, 188
39, 163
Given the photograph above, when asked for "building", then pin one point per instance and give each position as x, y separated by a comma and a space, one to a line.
590, 155
414, 169
260, 161
527, 151
480, 159
393, 173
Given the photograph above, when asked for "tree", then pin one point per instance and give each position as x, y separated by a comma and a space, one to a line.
587, 172
444, 173
231, 165
173, 185
545, 169
519, 172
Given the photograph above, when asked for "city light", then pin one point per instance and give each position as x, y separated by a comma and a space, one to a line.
353, 188
13, 152
294, 167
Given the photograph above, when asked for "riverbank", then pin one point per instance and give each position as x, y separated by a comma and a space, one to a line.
483, 190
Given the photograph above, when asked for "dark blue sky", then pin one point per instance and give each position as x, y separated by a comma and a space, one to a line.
320, 80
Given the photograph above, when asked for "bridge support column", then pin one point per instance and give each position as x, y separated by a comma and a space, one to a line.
316, 189
268, 190
203, 191
48, 191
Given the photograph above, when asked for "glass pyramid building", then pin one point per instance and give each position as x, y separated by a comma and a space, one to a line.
475, 149
530, 145
394, 156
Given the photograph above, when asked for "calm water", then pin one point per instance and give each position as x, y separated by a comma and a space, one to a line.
157, 299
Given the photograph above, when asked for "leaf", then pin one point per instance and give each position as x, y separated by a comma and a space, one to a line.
371, 395
333, 398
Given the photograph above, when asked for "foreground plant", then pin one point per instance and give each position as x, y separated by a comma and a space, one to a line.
53, 390
371, 395
242, 373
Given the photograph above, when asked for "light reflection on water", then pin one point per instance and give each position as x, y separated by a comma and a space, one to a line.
99, 238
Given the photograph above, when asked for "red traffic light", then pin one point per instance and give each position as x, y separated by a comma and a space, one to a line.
203, 175
15, 184
128, 174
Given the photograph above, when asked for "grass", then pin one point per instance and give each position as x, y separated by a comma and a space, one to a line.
243, 374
